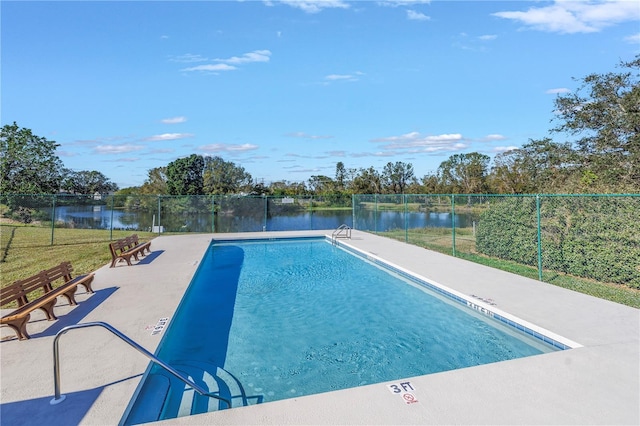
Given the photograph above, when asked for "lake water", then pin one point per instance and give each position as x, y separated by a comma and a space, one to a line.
103, 217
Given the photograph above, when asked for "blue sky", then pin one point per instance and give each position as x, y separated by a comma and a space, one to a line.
286, 89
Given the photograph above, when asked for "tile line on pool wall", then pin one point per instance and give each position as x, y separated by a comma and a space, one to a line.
539, 333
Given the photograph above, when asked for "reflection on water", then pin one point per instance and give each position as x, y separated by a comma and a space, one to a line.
368, 220
103, 217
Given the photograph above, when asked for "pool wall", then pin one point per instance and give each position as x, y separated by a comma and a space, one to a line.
476, 304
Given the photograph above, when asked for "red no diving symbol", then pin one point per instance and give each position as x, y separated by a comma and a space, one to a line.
409, 398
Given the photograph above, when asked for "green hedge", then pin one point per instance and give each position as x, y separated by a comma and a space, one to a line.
595, 237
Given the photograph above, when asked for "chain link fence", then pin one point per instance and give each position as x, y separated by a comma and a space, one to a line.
595, 237
105, 214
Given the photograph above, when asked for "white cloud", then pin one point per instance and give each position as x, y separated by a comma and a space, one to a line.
417, 16
295, 169
304, 135
415, 143
373, 154
128, 160
634, 39
255, 56
311, 6
396, 3
210, 67
498, 149
569, 17
488, 37
174, 120
223, 147
116, 149
342, 77
228, 64
168, 137
493, 137
334, 77
188, 58
557, 91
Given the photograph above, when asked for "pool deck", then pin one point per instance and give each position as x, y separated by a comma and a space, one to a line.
598, 383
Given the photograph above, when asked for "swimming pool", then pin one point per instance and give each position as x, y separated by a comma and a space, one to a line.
281, 319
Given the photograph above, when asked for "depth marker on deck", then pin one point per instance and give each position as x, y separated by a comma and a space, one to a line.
159, 326
405, 390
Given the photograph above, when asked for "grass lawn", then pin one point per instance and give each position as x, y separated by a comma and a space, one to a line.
26, 250
440, 240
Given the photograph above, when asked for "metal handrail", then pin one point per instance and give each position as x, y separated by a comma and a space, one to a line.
56, 362
336, 234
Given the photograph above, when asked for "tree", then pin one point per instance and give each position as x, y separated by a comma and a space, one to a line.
87, 182
184, 176
225, 177
396, 176
259, 188
549, 165
510, 175
605, 111
28, 163
156, 183
430, 184
320, 184
464, 173
367, 181
344, 176
287, 188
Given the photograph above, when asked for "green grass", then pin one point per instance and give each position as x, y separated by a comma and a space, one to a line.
26, 250
329, 208
440, 240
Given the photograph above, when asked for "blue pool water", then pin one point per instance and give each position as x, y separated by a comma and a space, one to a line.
296, 317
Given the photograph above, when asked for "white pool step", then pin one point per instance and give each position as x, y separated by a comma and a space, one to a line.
184, 401
165, 396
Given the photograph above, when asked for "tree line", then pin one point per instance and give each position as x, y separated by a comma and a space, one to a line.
29, 165
602, 117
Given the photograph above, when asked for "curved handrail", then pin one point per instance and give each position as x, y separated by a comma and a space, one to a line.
56, 362
336, 233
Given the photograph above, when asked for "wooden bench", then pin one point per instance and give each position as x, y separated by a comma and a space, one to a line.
126, 248
20, 292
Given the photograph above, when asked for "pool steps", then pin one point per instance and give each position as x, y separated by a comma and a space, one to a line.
165, 395
155, 391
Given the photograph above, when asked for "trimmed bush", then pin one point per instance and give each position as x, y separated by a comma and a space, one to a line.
592, 237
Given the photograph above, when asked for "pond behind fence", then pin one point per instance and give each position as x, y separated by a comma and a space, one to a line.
591, 236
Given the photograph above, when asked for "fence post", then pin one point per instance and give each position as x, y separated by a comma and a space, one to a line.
159, 219
111, 224
375, 213
266, 206
406, 219
213, 213
353, 211
539, 237
53, 216
453, 224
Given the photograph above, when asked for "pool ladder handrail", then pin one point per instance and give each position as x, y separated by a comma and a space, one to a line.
56, 362
338, 233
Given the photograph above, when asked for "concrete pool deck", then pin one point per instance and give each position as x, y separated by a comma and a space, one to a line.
598, 383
